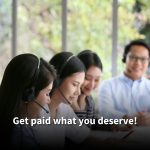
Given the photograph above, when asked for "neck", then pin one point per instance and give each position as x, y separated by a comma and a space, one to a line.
55, 101
82, 101
131, 77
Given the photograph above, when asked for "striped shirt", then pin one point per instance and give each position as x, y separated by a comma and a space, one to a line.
89, 111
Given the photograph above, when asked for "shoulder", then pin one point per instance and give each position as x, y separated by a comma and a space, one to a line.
110, 82
146, 83
90, 100
63, 106
66, 110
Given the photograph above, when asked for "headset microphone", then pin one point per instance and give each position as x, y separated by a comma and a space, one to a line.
42, 107
66, 100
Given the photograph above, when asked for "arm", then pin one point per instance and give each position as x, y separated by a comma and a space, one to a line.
143, 118
107, 106
75, 105
80, 103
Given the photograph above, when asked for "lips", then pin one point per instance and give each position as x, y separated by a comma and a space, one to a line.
136, 69
48, 101
74, 97
88, 90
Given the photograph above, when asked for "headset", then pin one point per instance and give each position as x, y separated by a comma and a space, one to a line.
29, 94
62, 94
65, 63
134, 43
86, 52
59, 80
126, 51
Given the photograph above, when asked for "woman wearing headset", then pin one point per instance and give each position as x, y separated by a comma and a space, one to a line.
66, 89
71, 74
24, 92
84, 107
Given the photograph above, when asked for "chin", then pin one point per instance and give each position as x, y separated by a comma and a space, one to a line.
137, 77
88, 93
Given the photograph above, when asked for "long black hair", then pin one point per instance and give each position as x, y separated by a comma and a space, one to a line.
90, 58
19, 75
66, 64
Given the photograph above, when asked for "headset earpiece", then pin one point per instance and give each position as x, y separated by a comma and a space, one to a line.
29, 94
124, 59
58, 81
64, 65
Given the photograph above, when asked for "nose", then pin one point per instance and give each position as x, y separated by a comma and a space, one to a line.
91, 84
48, 100
78, 91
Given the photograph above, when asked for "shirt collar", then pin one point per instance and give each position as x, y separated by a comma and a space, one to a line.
128, 80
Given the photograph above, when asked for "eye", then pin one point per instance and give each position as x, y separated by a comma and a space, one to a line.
75, 84
88, 79
48, 94
97, 79
143, 59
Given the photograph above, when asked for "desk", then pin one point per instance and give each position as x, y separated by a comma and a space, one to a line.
108, 134
140, 136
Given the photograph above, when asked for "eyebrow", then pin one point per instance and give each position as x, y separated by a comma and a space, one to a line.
137, 55
92, 76
76, 82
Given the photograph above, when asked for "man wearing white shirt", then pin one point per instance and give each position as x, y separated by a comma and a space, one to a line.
128, 95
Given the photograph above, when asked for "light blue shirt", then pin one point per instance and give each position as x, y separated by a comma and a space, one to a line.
121, 96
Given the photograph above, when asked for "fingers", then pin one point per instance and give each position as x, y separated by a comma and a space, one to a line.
143, 118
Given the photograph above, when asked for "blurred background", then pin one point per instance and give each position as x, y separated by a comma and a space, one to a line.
45, 27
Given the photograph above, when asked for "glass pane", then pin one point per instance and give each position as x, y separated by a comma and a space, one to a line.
39, 27
5, 34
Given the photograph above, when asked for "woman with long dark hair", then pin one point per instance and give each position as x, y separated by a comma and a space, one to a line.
24, 92
84, 107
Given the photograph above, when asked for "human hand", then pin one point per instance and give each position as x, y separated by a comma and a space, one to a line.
121, 127
143, 118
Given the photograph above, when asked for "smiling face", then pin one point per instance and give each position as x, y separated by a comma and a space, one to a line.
137, 62
92, 79
71, 85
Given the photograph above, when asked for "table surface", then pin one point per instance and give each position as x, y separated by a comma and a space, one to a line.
141, 135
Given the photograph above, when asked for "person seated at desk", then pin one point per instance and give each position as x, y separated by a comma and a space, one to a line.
24, 92
84, 107
128, 95
66, 89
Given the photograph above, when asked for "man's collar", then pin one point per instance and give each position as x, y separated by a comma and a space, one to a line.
127, 79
